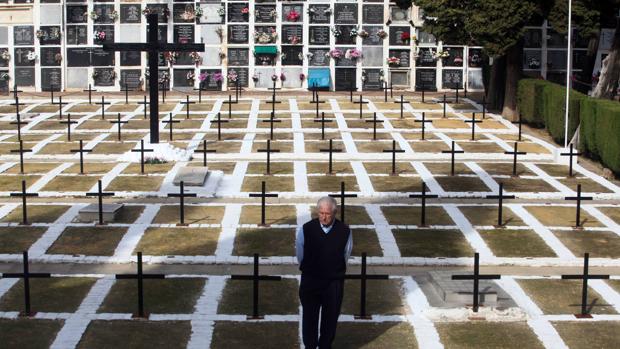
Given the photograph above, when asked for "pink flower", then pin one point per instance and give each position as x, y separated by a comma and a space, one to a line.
245, 10
203, 76
293, 16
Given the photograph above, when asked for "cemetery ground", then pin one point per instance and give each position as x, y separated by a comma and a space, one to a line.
425, 189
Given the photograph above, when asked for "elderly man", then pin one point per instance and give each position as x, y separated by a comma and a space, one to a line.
323, 247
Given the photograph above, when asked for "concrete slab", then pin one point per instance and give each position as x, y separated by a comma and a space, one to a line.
191, 176
90, 213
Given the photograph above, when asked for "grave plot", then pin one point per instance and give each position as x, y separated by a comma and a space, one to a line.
36, 213
338, 167
194, 214
274, 297
88, 241
18, 332
75, 183
395, 183
13, 182
265, 241
562, 216
260, 335
283, 183
50, 295
226, 167
135, 334
515, 243
600, 244
588, 334
179, 241
14, 240
127, 183
488, 334
432, 243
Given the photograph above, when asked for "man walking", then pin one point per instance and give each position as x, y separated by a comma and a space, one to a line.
323, 246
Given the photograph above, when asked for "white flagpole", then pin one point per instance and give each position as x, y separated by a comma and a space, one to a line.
568, 71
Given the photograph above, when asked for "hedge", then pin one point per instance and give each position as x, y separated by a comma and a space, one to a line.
541, 104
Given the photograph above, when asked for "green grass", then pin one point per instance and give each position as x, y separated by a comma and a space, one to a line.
18, 333
600, 244
256, 335
275, 297
264, 241
18, 239
407, 215
366, 240
54, 295
193, 214
374, 335
136, 334
89, 241
474, 335
516, 243
37, 213
432, 243
179, 241
383, 297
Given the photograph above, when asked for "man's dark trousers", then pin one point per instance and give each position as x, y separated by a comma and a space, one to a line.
324, 296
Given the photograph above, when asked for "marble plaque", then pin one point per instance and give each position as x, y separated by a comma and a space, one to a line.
292, 34
104, 12
238, 34
287, 9
396, 33
23, 35
105, 77
292, 79
320, 14
210, 13
318, 57
24, 76
345, 13
76, 78
372, 14
372, 38
242, 76
179, 77
4, 35
238, 12
99, 57
265, 14
426, 38
451, 78
319, 35
20, 56
476, 58
77, 35
345, 38
51, 78
50, 14
48, 56
211, 56
183, 34
403, 55
426, 79
209, 34
399, 15
262, 77
51, 35
109, 32
425, 58
238, 56
78, 57
77, 14
292, 55
209, 83
131, 13
131, 78
372, 56
130, 58
372, 79
179, 9
474, 79
130, 33
456, 57
344, 78
399, 77
161, 10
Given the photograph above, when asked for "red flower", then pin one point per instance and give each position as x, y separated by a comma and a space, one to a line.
405, 36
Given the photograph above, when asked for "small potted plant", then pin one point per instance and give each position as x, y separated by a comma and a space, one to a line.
232, 76
5, 55
188, 15
353, 32
58, 58
363, 34
195, 56
353, 54
302, 77
218, 78
94, 15
405, 37
221, 11
393, 61
382, 34
4, 76
198, 12
336, 32
335, 53
40, 34
293, 16
170, 57
294, 39
274, 77
190, 77
99, 36
255, 77
113, 15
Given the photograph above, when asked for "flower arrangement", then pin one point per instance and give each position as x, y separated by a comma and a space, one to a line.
274, 77
353, 54
245, 10
336, 32
188, 15
381, 75
300, 56
293, 16
95, 74
170, 57
302, 77
475, 59
309, 55
265, 37
353, 32
458, 60
5, 55
393, 61
94, 15
58, 58
40, 34
99, 35
282, 77
221, 11
327, 11
364, 75
255, 77
218, 77
31, 56
232, 76
533, 63
441, 54
147, 11
222, 54
220, 32
190, 76
164, 77
362, 33
335, 53
54, 33
294, 39
382, 34
4, 77
195, 56
198, 12
113, 15
405, 37
202, 77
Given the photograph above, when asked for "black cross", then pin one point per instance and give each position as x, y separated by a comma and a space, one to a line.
19, 124
423, 196
452, 152
153, 47
81, 151
393, 151
514, 154
352, 88
385, 88
140, 276
342, 196
103, 103
256, 278
15, 91
444, 105
423, 122
118, 123
126, 90
60, 106
237, 91
187, 103
473, 123
68, 123
476, 277
584, 284
144, 103
314, 90
271, 120
374, 125
273, 95
219, 125
570, 155
361, 103
322, 120
456, 87
402, 103
262, 195
90, 91
171, 122
579, 199
500, 197
204, 152
317, 102
268, 150
330, 150
100, 194
52, 88
484, 106
26, 275
520, 123
364, 277
141, 151
21, 152
230, 103
182, 195
200, 89
464, 90
17, 105
24, 195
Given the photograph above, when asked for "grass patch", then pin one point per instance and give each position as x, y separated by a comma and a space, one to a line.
264, 241
18, 333
396, 184
480, 147
527, 185
112, 147
366, 240
587, 185
505, 169
272, 184
71, 183
611, 212
503, 243
371, 146
167, 296
473, 335
274, 297
90, 167
135, 183
600, 244
149, 168
136, 334
60, 147
383, 297
408, 215
33, 167
274, 168
323, 167
487, 215
178, 241
14, 183
282, 146
257, 335
375, 335
129, 214
432, 243
37, 213
554, 170
331, 184
193, 214
386, 167
274, 214
443, 168
587, 335
462, 184
561, 216
90, 241
225, 167
18, 239
55, 295
449, 123
563, 297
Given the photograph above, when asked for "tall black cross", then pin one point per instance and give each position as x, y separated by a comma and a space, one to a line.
204, 152
579, 199
90, 91
26, 275
153, 47
182, 195
520, 123
361, 103
342, 197
452, 152
140, 276
423, 122
584, 284
118, 122
61, 105
103, 103
317, 102
219, 123
21, 152
17, 104
24, 195
18, 121
456, 87
500, 197
69, 122
187, 103
268, 150
484, 106
201, 87
423, 196
393, 151
15, 91
570, 155
473, 123
330, 150
271, 121
230, 103
170, 123
514, 154
322, 120
476, 277
444, 105
385, 88
144, 103
273, 95
374, 122
402, 105
141, 151
256, 278
81, 151
263, 195
100, 195
364, 277
126, 90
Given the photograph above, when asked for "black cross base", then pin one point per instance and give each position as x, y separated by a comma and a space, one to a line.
24, 195
263, 195
584, 286
26, 275
393, 151
500, 197
100, 195
255, 278
579, 199
423, 196
204, 152
364, 277
452, 152
140, 276
330, 150
476, 277
182, 195
268, 150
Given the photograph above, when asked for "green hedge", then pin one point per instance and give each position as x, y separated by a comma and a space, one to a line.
541, 104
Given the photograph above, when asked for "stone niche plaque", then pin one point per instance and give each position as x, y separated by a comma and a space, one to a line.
262, 77
265, 29
210, 13
345, 37
131, 13
50, 14
292, 34
373, 56
345, 13
102, 58
104, 77
210, 84
130, 33
104, 13
49, 56
403, 55
474, 79
211, 56
183, 34
344, 78
451, 78
476, 58
238, 12
162, 33
396, 35
50, 35
161, 10
179, 77
178, 11
23, 35
345, 62
319, 35
131, 78
21, 57
4, 62
399, 15
426, 79
242, 76
130, 58
372, 14
109, 32
24, 76
238, 34
399, 78
292, 79
319, 13
77, 14
78, 57
77, 35
76, 78
318, 57
372, 39
4, 35
455, 59
209, 34
287, 9
425, 58
265, 14
51, 78
238, 56
292, 55
372, 79
426, 38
